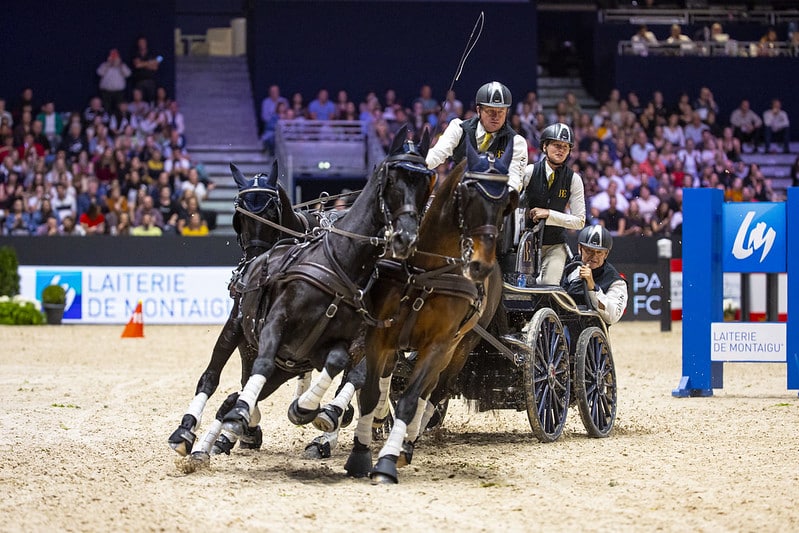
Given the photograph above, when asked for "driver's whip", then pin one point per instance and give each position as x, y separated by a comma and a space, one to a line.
473, 38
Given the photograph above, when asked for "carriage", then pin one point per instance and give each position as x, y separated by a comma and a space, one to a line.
542, 353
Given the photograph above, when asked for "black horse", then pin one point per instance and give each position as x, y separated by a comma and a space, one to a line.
263, 216
316, 295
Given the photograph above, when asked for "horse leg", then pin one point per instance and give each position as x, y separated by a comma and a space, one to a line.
305, 408
238, 418
201, 456
359, 462
328, 418
413, 432
182, 439
341, 407
424, 378
252, 438
303, 384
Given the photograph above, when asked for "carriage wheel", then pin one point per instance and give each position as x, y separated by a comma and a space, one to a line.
546, 376
595, 382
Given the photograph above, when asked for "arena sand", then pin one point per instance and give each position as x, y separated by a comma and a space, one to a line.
86, 416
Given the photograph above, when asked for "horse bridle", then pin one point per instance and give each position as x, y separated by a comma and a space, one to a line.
273, 198
413, 163
487, 230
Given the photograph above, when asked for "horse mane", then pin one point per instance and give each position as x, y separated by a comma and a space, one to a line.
439, 216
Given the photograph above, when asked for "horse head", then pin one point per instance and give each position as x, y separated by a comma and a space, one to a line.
405, 185
260, 196
483, 200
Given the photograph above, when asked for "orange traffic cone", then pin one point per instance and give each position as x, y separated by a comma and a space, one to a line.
135, 327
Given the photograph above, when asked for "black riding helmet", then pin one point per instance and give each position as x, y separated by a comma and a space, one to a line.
596, 238
557, 132
493, 94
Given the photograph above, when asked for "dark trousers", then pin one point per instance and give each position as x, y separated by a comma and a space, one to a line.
781, 136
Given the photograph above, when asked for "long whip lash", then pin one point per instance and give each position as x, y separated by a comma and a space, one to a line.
478, 30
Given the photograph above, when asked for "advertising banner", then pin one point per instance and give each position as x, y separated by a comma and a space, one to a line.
108, 295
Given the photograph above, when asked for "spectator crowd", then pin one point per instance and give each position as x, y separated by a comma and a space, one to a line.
635, 155
118, 167
126, 171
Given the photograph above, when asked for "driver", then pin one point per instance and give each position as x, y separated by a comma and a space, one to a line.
551, 186
607, 290
487, 132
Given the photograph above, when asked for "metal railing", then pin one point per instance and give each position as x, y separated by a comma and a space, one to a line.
733, 13
321, 148
729, 48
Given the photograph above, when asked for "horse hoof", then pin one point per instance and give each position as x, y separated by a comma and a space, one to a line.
406, 455
349, 415
327, 419
359, 463
222, 445
252, 438
385, 471
182, 441
200, 459
239, 414
318, 449
195, 461
299, 416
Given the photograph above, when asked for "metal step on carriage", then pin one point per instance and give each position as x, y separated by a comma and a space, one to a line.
542, 353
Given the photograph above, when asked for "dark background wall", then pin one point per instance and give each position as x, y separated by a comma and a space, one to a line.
364, 46
55, 47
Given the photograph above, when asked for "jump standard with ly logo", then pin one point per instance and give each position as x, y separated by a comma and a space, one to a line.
743, 238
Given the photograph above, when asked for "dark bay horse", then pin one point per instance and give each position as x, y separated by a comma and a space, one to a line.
442, 290
316, 297
263, 197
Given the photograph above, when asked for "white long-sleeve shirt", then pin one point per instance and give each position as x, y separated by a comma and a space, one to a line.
614, 301
575, 218
451, 137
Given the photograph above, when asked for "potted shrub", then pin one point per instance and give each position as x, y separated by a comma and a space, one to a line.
9, 277
53, 303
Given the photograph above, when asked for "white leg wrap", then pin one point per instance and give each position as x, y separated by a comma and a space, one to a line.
251, 390
413, 428
210, 437
381, 411
303, 384
344, 397
428, 414
255, 418
393, 445
311, 398
332, 438
196, 408
363, 430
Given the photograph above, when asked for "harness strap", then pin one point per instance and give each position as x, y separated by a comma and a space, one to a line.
489, 230
420, 285
319, 328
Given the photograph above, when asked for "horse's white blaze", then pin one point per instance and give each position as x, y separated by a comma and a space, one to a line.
196, 408
311, 398
252, 389
393, 445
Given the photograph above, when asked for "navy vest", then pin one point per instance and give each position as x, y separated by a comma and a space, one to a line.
498, 142
537, 194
